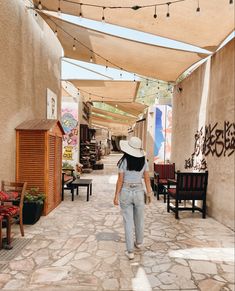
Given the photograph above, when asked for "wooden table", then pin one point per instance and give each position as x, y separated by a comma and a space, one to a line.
82, 183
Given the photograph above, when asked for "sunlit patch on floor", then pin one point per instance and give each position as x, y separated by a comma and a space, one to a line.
212, 254
141, 282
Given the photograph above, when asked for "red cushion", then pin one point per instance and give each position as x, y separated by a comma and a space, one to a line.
9, 210
8, 195
171, 191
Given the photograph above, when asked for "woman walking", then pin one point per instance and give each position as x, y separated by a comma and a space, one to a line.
130, 192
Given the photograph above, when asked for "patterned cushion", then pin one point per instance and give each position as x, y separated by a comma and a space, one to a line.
4, 196
9, 210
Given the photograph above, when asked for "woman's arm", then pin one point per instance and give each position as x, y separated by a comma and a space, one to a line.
118, 188
147, 182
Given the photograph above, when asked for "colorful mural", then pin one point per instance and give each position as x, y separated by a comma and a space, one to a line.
69, 122
162, 137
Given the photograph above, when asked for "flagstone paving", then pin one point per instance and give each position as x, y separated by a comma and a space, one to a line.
80, 246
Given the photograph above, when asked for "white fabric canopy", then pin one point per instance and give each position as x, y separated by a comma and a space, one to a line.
207, 28
144, 59
119, 91
114, 116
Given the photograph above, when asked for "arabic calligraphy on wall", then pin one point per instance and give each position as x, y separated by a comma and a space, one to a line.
214, 141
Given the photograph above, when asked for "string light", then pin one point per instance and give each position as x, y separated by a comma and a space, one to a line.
198, 6
74, 44
39, 5
59, 10
135, 7
80, 10
134, 77
168, 9
112, 98
103, 17
121, 73
155, 12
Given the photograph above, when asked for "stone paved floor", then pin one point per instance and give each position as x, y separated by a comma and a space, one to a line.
80, 246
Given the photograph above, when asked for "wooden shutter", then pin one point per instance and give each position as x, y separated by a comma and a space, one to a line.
31, 159
58, 166
51, 172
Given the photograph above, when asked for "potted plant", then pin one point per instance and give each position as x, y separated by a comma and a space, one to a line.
33, 206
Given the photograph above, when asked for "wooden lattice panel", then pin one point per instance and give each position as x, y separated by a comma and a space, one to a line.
51, 174
31, 159
58, 173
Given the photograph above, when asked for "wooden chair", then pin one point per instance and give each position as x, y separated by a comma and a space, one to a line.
11, 208
67, 178
162, 172
188, 186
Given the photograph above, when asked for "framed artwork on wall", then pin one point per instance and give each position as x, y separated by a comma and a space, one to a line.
51, 104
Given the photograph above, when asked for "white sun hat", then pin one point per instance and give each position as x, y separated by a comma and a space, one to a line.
132, 147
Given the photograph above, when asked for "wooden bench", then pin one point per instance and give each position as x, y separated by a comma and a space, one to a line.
188, 186
162, 172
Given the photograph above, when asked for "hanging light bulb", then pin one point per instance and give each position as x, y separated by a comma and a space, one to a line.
106, 66
56, 32
74, 44
91, 59
168, 9
147, 82
230, 1
39, 5
103, 17
155, 12
198, 6
80, 11
121, 73
116, 105
134, 77
59, 10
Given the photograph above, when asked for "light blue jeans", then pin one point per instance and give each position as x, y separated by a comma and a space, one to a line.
132, 205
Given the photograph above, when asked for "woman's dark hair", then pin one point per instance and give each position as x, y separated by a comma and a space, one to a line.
133, 163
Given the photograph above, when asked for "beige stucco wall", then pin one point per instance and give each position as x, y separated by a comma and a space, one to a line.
207, 97
30, 63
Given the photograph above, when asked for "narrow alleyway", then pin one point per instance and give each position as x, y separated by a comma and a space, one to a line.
80, 246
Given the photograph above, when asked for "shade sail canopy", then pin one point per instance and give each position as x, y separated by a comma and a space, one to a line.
99, 90
132, 108
207, 28
144, 59
114, 116
117, 128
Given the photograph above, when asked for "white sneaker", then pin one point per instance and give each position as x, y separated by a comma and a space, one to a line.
130, 256
138, 246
